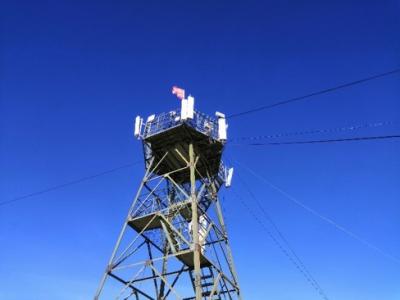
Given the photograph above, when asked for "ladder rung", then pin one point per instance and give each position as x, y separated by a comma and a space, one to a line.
206, 284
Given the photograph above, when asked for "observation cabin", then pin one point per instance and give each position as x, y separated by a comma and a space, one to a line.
166, 137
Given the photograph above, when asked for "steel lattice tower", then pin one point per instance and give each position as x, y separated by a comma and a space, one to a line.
174, 244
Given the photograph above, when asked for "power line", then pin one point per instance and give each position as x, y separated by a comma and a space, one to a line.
321, 216
69, 183
314, 282
317, 93
315, 131
279, 245
365, 138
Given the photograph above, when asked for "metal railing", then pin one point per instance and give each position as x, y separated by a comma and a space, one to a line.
162, 122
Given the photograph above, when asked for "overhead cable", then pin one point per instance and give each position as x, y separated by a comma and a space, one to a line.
69, 183
315, 131
281, 247
352, 139
314, 94
321, 216
295, 257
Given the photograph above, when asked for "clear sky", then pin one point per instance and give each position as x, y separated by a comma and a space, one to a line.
74, 74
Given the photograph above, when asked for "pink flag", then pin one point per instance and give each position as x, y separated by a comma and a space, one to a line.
180, 93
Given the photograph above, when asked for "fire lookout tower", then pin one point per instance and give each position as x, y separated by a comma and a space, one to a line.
174, 244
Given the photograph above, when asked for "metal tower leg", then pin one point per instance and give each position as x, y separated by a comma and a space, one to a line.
228, 248
195, 225
104, 278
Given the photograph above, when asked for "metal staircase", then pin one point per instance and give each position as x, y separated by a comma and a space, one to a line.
207, 281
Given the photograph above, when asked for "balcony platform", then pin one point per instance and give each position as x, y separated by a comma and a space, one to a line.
147, 222
178, 138
187, 257
153, 220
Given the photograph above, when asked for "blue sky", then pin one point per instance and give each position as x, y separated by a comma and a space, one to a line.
74, 74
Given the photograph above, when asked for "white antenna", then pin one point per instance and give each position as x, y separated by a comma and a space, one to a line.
138, 126
151, 118
219, 114
228, 177
190, 107
187, 108
184, 109
222, 126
